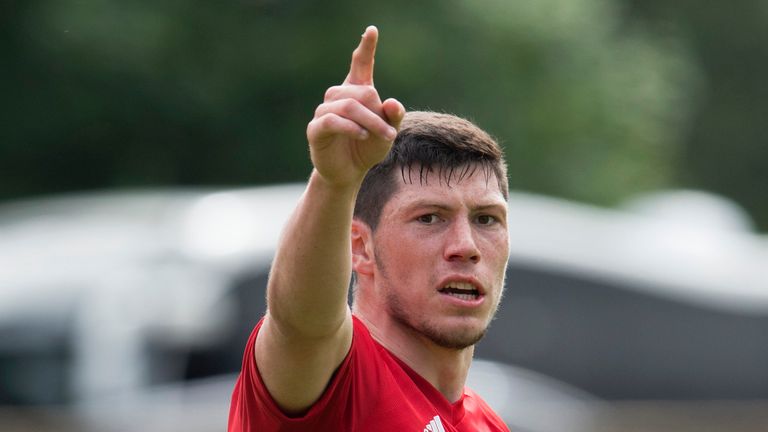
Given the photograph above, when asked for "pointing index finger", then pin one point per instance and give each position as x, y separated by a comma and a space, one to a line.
361, 69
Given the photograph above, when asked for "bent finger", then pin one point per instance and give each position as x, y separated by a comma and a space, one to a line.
357, 112
367, 95
332, 124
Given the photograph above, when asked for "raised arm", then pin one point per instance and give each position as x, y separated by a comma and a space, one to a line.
307, 331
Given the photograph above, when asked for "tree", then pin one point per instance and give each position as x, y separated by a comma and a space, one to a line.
108, 94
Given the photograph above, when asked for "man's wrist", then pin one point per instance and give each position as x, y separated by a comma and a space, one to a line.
336, 188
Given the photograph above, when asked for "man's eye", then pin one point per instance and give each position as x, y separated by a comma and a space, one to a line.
428, 218
485, 219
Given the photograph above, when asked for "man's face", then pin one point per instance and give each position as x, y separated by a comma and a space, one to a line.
441, 254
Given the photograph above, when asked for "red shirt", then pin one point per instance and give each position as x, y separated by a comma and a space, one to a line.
371, 391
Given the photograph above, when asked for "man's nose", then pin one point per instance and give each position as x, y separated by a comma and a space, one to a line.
460, 244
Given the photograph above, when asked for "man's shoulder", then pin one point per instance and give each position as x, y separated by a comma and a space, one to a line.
363, 340
361, 335
478, 409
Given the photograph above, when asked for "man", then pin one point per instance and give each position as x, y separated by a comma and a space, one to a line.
422, 223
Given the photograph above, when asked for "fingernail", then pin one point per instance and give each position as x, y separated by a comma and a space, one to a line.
363, 134
391, 134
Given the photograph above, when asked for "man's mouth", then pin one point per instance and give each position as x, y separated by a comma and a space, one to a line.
461, 290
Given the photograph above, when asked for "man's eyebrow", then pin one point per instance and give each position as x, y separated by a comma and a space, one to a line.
431, 204
491, 206
426, 204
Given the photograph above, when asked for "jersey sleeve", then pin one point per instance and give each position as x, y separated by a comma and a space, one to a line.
253, 408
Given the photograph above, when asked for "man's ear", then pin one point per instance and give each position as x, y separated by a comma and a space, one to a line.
362, 248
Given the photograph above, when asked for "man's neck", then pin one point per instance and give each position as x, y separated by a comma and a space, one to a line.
446, 369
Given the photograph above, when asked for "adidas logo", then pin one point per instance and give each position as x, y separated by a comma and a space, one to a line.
435, 425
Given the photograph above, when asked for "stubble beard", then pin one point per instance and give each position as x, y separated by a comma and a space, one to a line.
454, 340
417, 324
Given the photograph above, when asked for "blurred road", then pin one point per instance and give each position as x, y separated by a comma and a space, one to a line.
688, 416
634, 416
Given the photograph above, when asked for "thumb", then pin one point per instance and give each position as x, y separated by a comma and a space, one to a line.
394, 112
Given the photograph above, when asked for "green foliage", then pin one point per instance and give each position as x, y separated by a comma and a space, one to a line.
725, 149
107, 94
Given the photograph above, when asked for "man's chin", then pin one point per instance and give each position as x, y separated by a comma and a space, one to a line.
451, 332
455, 337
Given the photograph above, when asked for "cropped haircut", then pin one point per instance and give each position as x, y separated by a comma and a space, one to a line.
429, 142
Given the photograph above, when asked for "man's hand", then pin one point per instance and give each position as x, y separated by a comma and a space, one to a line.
352, 129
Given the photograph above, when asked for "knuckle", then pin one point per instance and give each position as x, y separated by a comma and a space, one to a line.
348, 106
331, 93
311, 128
323, 121
328, 121
316, 124
369, 93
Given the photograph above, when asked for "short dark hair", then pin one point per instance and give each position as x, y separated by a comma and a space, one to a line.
430, 141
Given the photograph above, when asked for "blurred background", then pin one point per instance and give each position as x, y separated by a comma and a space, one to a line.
150, 151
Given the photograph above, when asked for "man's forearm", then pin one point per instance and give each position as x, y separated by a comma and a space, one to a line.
307, 289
